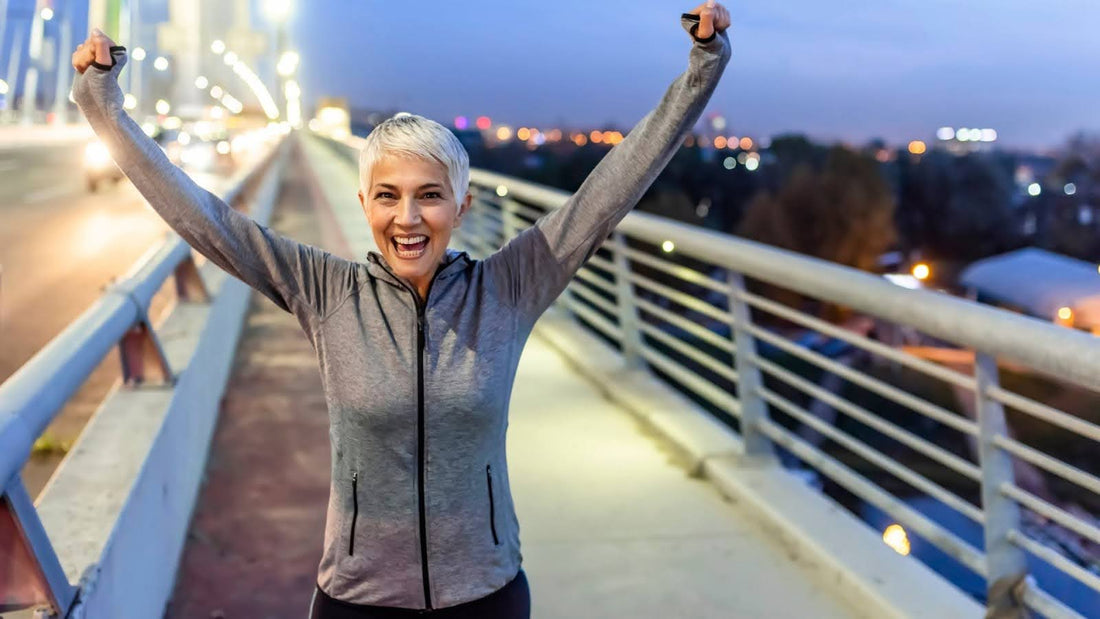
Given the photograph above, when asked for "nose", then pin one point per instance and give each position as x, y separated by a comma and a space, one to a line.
408, 213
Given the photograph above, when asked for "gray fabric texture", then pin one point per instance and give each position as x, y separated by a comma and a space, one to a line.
363, 323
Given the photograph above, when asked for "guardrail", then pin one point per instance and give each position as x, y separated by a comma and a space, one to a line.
31, 573
674, 297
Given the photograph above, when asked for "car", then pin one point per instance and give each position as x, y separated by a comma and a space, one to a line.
99, 166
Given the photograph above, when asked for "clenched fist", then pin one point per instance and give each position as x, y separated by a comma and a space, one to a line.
713, 17
96, 49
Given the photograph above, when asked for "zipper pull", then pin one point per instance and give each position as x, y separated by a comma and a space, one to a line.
355, 477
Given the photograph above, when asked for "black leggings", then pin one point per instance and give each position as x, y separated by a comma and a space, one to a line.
512, 601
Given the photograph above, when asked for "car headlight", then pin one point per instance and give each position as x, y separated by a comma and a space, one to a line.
96, 156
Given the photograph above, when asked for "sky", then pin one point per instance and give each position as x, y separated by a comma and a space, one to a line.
848, 70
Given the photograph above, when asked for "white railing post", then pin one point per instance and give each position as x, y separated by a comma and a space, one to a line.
1006, 564
749, 381
189, 285
628, 310
508, 217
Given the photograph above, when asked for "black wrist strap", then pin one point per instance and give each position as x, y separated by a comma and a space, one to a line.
695, 18
113, 49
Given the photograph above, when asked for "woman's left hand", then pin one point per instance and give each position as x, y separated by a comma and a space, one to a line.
712, 17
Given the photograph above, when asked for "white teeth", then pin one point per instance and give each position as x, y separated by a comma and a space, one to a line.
411, 240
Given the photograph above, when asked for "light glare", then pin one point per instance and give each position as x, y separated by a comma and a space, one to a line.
922, 271
896, 538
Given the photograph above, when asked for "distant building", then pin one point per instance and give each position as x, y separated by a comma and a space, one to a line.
965, 140
1039, 283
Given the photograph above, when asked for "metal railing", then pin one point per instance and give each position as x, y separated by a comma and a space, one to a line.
32, 397
673, 297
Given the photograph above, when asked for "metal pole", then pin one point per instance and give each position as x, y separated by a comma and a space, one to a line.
1006, 564
753, 408
13, 71
136, 68
3, 23
64, 45
30, 80
628, 310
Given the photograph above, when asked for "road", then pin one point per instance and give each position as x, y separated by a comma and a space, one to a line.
59, 245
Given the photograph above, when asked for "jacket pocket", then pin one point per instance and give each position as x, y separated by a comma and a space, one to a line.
355, 511
492, 508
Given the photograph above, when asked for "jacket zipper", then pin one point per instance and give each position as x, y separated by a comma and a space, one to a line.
420, 310
492, 510
355, 511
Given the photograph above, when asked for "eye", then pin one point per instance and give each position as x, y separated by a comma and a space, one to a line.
433, 193
384, 194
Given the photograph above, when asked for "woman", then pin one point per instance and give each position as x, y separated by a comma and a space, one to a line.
418, 345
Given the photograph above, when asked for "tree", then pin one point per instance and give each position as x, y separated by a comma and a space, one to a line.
842, 213
957, 208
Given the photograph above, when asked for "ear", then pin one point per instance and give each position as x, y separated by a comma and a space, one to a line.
363, 203
464, 208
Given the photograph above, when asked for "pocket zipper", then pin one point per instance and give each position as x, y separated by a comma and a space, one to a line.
492, 510
355, 511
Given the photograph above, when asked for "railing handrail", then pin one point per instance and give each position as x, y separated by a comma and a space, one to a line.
1062, 352
32, 396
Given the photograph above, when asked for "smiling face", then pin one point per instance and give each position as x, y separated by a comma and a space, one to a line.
412, 211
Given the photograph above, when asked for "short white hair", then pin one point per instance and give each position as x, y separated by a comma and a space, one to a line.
410, 135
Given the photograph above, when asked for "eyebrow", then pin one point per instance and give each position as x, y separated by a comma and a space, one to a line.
395, 188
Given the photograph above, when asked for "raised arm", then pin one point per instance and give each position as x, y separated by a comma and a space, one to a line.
299, 278
536, 266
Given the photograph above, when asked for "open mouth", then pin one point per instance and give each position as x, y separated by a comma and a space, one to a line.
410, 247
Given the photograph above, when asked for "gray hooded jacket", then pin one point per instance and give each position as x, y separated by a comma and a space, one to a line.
420, 512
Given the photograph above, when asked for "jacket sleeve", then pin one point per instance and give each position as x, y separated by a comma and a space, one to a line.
532, 269
299, 278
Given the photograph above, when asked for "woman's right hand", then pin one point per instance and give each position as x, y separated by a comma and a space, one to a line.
96, 49
712, 17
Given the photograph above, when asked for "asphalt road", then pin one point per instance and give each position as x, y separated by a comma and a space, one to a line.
59, 245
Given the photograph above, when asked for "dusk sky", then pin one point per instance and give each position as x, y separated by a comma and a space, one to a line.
849, 70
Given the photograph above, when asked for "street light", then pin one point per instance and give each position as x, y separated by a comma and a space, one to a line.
161, 63
138, 54
922, 271
163, 107
277, 10
201, 82
47, 14
288, 64
218, 47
